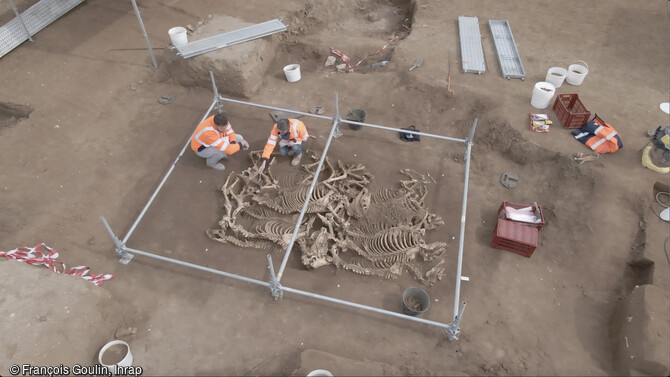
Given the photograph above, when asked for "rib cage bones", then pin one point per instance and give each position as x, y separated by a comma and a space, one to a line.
349, 222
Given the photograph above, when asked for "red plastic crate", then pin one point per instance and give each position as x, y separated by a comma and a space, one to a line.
571, 111
514, 237
535, 208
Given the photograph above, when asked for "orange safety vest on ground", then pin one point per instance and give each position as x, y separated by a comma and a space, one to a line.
207, 135
599, 136
297, 131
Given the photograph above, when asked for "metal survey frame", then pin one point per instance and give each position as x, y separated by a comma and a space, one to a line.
452, 328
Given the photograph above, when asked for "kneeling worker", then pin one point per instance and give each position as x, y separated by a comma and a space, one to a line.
214, 140
292, 135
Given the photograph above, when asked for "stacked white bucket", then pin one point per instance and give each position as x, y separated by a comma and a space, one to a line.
542, 94
544, 90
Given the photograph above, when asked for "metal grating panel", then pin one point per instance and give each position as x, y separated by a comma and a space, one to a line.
12, 34
508, 55
472, 54
36, 18
230, 38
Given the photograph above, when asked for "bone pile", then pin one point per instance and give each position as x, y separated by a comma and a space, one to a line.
349, 222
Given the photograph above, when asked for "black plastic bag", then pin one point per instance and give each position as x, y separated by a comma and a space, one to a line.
409, 137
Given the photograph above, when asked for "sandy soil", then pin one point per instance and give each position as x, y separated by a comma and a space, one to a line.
83, 135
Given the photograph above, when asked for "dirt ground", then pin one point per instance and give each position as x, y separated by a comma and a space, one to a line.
83, 135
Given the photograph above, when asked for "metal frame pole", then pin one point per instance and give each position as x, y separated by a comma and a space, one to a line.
365, 307
18, 15
188, 142
335, 126
458, 311
336, 118
119, 246
404, 131
287, 289
343, 121
216, 92
144, 33
275, 287
198, 267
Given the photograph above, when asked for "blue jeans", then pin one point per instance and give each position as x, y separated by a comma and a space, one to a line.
296, 148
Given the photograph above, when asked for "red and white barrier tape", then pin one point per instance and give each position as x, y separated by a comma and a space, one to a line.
346, 59
37, 258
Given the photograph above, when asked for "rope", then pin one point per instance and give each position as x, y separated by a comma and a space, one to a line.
37, 258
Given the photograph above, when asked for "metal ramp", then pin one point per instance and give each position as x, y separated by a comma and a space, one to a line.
472, 54
35, 18
508, 55
230, 38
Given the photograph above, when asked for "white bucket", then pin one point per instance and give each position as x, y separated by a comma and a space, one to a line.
115, 353
292, 72
543, 92
178, 36
576, 72
320, 372
556, 75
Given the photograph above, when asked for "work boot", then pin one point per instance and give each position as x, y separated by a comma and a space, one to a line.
296, 160
218, 166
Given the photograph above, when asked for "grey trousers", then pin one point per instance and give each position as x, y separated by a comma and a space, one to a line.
214, 155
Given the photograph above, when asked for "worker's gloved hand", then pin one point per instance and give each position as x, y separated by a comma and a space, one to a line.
262, 167
290, 143
245, 145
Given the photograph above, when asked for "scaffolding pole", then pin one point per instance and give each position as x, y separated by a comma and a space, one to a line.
144, 33
464, 208
459, 307
269, 285
315, 180
343, 120
216, 92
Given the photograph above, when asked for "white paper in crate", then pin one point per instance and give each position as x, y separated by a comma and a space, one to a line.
525, 214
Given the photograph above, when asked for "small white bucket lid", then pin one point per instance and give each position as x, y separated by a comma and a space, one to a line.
665, 214
665, 107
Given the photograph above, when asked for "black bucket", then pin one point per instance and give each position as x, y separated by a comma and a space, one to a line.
415, 301
357, 115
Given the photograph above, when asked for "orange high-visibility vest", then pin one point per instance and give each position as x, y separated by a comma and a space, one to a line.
207, 135
297, 132
599, 136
